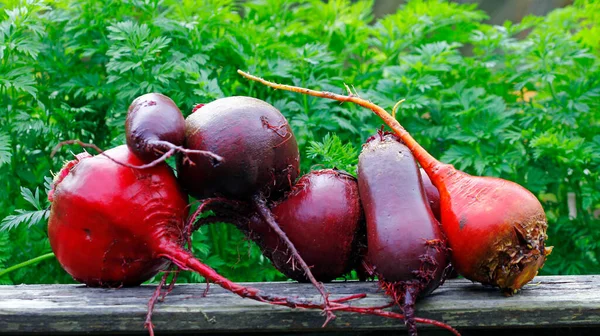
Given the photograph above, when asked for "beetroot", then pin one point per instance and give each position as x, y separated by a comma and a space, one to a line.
153, 123
261, 159
106, 220
114, 226
495, 228
405, 244
322, 205
260, 151
155, 129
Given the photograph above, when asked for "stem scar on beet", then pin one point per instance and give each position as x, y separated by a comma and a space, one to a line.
486, 248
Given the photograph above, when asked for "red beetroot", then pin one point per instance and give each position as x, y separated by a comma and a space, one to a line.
106, 219
405, 244
495, 228
114, 226
321, 205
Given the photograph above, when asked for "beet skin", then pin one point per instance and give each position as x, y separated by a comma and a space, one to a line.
322, 217
405, 244
258, 146
153, 120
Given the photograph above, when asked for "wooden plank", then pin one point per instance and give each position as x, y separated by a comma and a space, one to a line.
547, 302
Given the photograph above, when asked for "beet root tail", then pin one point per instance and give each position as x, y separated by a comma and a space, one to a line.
148, 323
186, 261
216, 159
408, 307
377, 311
156, 296
267, 215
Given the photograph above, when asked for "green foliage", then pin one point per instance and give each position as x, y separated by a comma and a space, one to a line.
519, 101
26, 217
5, 147
332, 152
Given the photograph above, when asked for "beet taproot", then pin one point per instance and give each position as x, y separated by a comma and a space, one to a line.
495, 228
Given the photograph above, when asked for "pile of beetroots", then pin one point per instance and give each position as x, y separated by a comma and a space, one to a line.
126, 212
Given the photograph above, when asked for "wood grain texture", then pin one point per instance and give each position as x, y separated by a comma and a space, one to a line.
546, 302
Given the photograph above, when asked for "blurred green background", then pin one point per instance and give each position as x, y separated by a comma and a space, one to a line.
517, 99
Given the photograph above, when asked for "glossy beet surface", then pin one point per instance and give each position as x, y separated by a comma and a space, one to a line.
152, 118
106, 219
489, 244
256, 142
322, 217
404, 238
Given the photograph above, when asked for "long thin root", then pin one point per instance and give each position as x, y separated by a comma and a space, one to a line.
431, 165
216, 159
148, 324
267, 215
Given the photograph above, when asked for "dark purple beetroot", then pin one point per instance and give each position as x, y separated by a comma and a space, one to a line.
153, 118
405, 244
323, 218
256, 142
155, 129
261, 160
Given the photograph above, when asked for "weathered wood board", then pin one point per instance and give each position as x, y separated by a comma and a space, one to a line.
547, 302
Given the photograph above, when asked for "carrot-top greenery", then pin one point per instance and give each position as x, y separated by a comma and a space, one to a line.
520, 101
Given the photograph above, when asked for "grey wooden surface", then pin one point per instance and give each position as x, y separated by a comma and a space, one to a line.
546, 302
